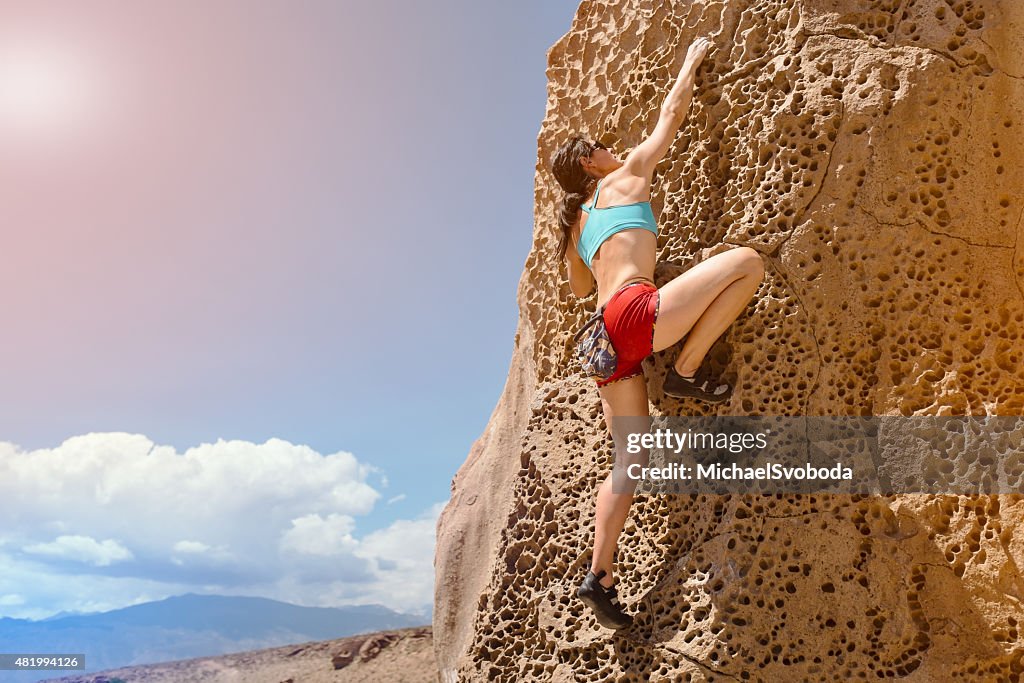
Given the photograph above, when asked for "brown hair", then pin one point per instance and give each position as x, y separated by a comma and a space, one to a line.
565, 164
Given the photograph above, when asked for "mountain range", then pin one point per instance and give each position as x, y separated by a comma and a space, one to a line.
186, 626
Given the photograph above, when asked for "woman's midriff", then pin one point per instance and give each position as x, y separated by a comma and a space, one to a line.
624, 257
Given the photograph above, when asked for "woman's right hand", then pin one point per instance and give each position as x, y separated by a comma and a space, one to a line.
695, 55
645, 156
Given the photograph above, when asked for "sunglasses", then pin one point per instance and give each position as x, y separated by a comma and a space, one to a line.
594, 146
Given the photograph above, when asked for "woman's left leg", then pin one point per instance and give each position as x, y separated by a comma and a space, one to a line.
704, 301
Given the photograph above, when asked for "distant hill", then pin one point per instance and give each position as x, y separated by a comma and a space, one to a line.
401, 656
187, 626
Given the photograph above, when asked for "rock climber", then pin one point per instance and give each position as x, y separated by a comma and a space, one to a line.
606, 217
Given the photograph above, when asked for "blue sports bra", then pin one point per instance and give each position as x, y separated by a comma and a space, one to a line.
603, 223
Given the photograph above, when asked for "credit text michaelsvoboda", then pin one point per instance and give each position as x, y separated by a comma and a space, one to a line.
732, 471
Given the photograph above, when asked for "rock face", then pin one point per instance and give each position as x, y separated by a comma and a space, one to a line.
871, 152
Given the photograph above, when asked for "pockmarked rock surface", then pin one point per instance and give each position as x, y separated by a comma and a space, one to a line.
871, 151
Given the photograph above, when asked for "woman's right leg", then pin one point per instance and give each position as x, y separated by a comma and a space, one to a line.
625, 410
704, 301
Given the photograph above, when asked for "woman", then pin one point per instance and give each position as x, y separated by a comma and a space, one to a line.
606, 218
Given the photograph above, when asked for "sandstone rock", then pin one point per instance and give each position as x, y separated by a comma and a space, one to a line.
375, 644
343, 659
871, 151
404, 655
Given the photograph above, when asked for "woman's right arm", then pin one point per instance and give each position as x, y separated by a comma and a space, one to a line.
581, 280
642, 160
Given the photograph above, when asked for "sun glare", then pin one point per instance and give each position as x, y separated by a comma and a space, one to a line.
45, 91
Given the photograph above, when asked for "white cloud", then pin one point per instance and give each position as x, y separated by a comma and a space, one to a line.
191, 547
401, 569
82, 549
403, 559
316, 535
118, 518
395, 499
196, 553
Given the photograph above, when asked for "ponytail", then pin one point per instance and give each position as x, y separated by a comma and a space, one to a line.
565, 164
568, 214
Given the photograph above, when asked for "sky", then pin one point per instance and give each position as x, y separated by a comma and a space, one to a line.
258, 290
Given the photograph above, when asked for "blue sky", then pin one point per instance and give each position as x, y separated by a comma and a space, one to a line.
284, 228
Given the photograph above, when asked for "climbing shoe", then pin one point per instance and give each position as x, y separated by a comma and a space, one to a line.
604, 602
701, 386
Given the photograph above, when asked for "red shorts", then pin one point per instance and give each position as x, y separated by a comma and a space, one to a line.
630, 316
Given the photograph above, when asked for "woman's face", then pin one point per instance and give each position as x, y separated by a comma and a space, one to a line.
600, 159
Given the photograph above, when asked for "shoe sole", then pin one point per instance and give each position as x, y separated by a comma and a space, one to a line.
702, 397
607, 622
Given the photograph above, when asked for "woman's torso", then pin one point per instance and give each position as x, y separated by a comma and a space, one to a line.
626, 255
